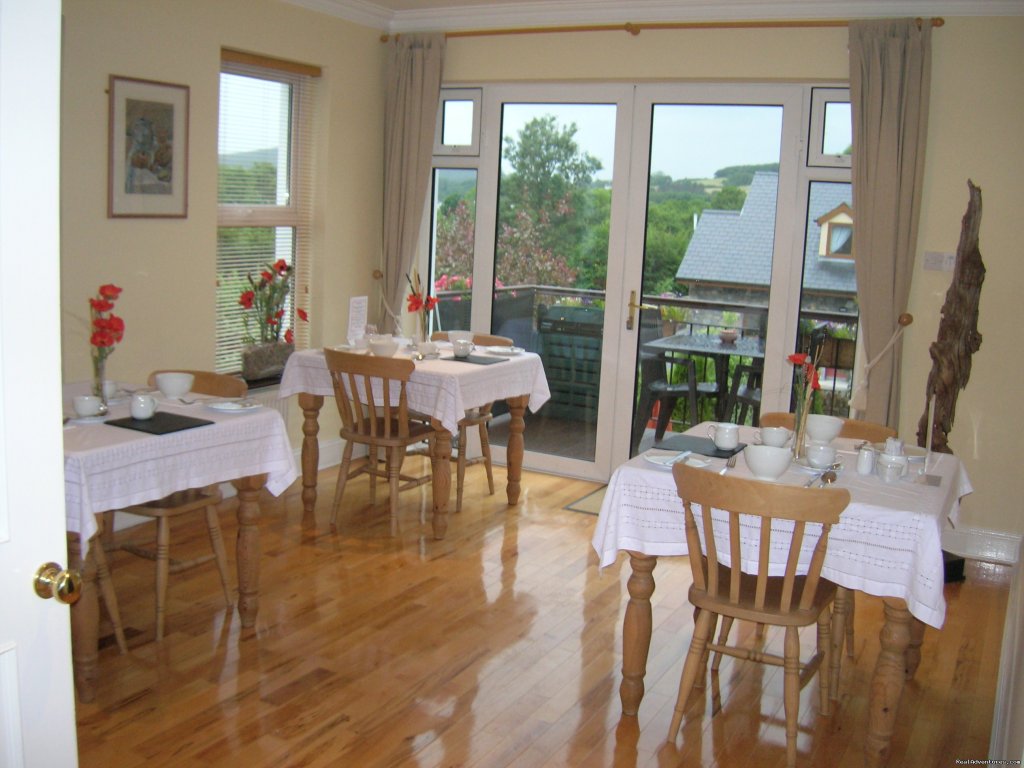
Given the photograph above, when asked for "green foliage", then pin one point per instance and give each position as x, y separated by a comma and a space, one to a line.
253, 185
742, 175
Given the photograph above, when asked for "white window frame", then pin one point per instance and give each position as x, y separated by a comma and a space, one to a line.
473, 95
820, 99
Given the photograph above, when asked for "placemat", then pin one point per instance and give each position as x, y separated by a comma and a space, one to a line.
477, 359
705, 446
162, 423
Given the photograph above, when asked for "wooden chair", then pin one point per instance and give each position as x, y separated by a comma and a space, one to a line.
476, 417
359, 381
855, 429
790, 600
185, 502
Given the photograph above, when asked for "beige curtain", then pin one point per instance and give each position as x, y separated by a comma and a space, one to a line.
890, 69
414, 88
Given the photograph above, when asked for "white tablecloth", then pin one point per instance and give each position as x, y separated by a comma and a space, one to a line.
107, 467
887, 542
442, 389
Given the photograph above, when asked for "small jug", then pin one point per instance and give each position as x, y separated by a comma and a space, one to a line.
726, 436
143, 406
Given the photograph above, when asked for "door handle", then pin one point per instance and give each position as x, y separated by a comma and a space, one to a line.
53, 581
633, 307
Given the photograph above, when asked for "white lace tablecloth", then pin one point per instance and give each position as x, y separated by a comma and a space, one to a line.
108, 467
442, 389
887, 542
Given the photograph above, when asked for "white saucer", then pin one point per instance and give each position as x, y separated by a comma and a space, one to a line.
97, 419
805, 465
505, 351
234, 406
666, 460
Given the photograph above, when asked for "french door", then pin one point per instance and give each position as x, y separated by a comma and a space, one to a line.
583, 200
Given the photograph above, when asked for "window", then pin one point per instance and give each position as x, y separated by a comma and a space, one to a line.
831, 130
264, 205
458, 122
836, 233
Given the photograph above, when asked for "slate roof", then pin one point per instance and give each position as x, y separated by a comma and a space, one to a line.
735, 247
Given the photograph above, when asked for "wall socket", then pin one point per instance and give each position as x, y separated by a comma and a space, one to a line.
939, 261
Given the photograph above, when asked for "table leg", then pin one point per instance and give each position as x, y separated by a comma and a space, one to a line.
636, 631
914, 648
441, 480
311, 405
85, 621
887, 682
514, 449
247, 546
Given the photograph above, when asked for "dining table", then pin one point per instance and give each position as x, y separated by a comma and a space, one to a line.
886, 544
711, 346
442, 388
109, 467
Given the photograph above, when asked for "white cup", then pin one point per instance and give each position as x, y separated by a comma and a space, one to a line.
143, 406
87, 405
820, 455
891, 468
462, 347
777, 437
726, 436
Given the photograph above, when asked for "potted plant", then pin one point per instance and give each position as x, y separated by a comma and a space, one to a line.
268, 349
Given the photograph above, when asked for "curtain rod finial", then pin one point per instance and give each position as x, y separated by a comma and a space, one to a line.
905, 319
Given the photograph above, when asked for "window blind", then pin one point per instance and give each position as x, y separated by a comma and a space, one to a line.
265, 191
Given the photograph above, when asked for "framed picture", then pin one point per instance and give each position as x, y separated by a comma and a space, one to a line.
148, 164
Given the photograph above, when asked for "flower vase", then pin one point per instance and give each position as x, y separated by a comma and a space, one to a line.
800, 428
99, 369
266, 360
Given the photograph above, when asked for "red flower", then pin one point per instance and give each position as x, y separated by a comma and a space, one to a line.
815, 384
102, 339
302, 314
109, 291
798, 358
289, 337
246, 299
101, 305
279, 314
267, 277
281, 267
430, 303
415, 302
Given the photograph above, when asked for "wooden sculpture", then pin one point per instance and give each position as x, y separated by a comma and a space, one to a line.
958, 336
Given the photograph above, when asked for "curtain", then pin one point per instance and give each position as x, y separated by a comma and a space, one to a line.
413, 91
890, 70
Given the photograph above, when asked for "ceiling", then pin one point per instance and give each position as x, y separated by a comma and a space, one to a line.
451, 15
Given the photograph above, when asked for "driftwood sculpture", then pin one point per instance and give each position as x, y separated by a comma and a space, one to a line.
958, 336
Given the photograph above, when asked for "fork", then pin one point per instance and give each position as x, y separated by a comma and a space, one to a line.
729, 464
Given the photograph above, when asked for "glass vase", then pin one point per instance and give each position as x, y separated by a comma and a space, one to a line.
99, 370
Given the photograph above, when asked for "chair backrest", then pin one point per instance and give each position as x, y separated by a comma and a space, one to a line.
210, 383
371, 394
735, 496
855, 429
480, 339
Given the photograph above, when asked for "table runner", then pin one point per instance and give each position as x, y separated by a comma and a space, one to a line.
887, 542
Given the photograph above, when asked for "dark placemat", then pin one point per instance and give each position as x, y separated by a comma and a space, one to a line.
476, 359
705, 446
162, 423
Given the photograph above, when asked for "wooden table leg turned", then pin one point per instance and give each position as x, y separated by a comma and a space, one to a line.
441, 477
917, 628
887, 682
514, 449
636, 631
85, 621
247, 546
311, 405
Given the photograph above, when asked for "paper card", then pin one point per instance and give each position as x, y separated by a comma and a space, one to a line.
357, 309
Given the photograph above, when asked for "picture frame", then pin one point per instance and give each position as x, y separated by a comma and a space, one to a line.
148, 149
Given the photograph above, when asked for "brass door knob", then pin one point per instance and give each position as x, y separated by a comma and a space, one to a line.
53, 581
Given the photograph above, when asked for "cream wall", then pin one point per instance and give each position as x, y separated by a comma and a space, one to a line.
166, 267
977, 109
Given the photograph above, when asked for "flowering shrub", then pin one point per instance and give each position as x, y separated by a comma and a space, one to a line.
267, 298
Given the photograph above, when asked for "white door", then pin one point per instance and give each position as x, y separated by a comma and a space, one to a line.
37, 715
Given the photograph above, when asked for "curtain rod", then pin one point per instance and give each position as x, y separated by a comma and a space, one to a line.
636, 29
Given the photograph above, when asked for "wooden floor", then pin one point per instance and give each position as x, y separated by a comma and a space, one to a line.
499, 646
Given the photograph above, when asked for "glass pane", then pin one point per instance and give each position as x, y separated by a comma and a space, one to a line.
453, 233
554, 207
254, 141
828, 299
457, 123
838, 135
708, 250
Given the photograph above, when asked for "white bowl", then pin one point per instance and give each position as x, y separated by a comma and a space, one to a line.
766, 462
383, 346
823, 428
174, 383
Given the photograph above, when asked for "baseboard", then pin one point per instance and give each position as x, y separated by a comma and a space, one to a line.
1007, 739
981, 544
